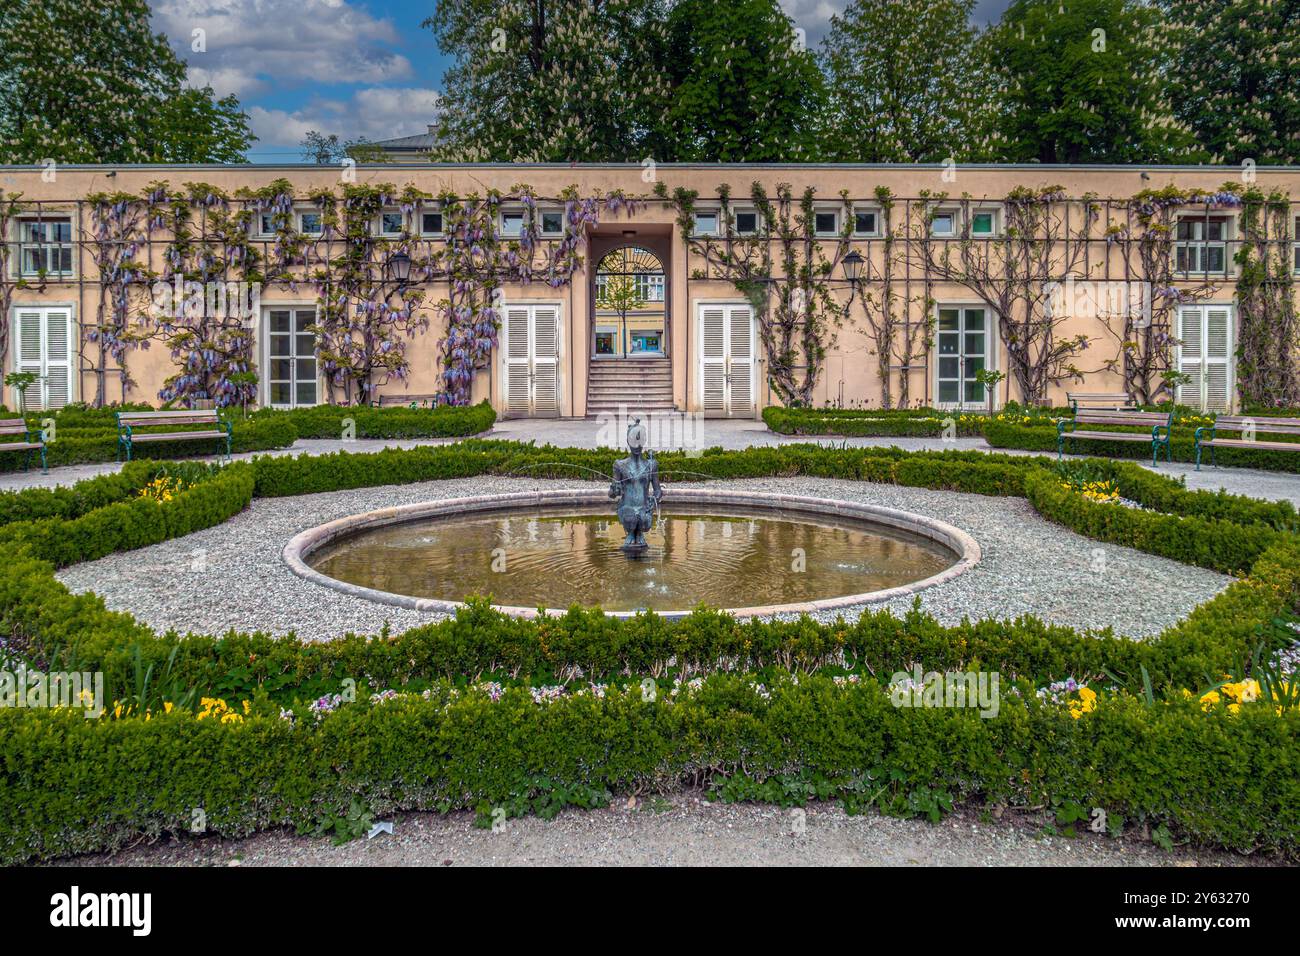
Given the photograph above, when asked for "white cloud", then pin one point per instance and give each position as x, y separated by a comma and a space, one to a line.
255, 45
373, 113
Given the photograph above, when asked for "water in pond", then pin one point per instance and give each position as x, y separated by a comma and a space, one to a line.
559, 558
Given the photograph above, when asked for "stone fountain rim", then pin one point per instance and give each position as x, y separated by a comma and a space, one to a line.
305, 543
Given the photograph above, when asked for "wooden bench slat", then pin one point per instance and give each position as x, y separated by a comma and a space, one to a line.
20, 446
1242, 443
172, 436
1116, 436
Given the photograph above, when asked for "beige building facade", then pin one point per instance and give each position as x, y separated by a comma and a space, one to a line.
899, 284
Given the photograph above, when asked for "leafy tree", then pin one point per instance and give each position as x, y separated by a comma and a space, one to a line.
1084, 83
1236, 76
193, 126
88, 81
744, 89
903, 83
549, 80
320, 149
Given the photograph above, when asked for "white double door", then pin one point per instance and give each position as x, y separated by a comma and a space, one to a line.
1205, 357
46, 340
728, 365
530, 349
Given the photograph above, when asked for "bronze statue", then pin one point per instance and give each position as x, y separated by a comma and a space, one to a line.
636, 486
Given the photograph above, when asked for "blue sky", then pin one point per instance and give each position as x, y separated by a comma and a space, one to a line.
358, 68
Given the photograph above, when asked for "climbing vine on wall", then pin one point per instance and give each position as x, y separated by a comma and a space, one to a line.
211, 345
117, 225
476, 260
1268, 335
10, 207
783, 269
1146, 241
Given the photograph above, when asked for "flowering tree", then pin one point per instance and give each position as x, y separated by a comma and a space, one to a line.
1268, 374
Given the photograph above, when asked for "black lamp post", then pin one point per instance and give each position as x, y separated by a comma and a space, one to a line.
852, 264
399, 268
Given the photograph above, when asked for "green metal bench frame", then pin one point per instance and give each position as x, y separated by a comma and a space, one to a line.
1236, 423
126, 436
1065, 428
31, 442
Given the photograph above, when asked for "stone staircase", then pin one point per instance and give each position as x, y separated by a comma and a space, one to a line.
640, 385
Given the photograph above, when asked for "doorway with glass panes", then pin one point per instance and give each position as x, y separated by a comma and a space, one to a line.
964, 343
291, 378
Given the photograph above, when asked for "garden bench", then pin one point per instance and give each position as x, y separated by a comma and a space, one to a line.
1248, 425
1113, 401
128, 422
1157, 421
412, 401
16, 426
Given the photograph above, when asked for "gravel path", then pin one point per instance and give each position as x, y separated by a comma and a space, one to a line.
682, 830
232, 576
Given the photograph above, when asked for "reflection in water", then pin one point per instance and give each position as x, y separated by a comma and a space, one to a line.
556, 559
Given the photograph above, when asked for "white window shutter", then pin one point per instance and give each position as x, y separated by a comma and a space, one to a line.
546, 362
741, 340
59, 349
1190, 355
713, 359
1218, 355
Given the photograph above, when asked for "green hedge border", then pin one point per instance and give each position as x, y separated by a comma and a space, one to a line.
1214, 778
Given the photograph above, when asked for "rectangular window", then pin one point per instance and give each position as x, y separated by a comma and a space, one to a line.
391, 223
1200, 245
944, 223
983, 224
826, 222
512, 223
309, 223
431, 224
266, 224
962, 343
291, 376
746, 222
45, 247
650, 288
866, 222
552, 223
706, 222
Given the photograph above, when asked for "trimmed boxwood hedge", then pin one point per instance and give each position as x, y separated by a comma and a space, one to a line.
86, 435
1182, 446
870, 423
68, 784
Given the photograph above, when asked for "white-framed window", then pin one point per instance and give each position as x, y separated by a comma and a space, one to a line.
45, 338
1295, 246
310, 222
512, 223
392, 222
706, 222
292, 379
866, 222
264, 225
431, 222
1201, 245
826, 221
963, 346
45, 246
984, 223
550, 222
944, 223
746, 221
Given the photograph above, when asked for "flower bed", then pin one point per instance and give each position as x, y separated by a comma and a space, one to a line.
488, 712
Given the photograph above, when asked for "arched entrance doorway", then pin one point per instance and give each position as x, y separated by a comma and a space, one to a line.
631, 306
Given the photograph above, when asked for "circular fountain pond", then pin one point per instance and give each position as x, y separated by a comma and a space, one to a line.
750, 553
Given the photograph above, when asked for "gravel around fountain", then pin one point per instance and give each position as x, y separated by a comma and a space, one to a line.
232, 576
